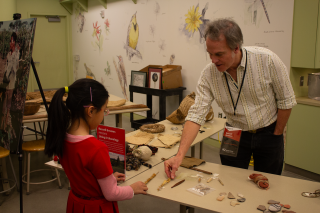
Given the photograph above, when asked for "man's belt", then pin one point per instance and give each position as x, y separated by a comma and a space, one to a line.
263, 128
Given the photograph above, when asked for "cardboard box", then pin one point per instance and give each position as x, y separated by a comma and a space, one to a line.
171, 75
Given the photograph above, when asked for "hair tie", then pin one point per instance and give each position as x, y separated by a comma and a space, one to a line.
66, 89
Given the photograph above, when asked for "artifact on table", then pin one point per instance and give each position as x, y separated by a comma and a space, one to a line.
288, 211
274, 207
209, 180
152, 128
168, 140
132, 106
230, 196
234, 203
240, 195
150, 178
31, 108
260, 180
189, 162
220, 198
241, 199
261, 207
179, 115
164, 183
116, 103
36, 96
140, 138
177, 184
287, 206
142, 152
273, 202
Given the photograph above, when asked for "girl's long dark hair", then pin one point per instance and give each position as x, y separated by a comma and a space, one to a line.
60, 115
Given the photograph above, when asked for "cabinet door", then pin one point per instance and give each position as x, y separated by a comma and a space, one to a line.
317, 56
303, 138
305, 22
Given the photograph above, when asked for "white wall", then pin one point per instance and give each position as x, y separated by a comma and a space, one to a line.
168, 18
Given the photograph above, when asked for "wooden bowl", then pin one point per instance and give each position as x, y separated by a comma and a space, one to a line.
31, 108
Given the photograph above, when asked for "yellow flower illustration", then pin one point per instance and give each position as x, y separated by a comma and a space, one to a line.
193, 19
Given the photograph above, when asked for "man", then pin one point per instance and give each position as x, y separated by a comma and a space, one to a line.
266, 97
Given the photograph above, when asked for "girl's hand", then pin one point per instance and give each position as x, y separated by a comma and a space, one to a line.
139, 188
119, 176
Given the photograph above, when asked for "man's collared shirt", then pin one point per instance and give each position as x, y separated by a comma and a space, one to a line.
266, 88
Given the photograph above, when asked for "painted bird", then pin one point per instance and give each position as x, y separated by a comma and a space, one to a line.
121, 71
89, 72
133, 32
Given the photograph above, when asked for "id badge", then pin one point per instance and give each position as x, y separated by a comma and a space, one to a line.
231, 141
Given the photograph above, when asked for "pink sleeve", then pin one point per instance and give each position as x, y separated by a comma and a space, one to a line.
112, 192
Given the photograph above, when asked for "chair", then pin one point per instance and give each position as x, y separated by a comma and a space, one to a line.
35, 146
4, 153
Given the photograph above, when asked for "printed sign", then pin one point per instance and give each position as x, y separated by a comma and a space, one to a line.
114, 138
230, 141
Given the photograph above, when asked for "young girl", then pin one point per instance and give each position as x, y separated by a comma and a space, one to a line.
85, 159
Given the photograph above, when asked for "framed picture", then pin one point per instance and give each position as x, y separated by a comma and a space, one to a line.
155, 77
138, 78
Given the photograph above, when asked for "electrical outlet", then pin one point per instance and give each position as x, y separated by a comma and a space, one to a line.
219, 115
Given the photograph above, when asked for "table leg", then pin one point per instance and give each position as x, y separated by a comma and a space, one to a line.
201, 151
184, 209
193, 148
119, 120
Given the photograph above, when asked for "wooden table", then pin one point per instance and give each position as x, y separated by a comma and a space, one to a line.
41, 115
210, 128
284, 189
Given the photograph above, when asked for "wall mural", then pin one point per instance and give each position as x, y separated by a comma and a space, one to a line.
107, 26
98, 37
172, 57
252, 16
195, 22
79, 16
121, 72
15, 55
89, 73
107, 70
132, 38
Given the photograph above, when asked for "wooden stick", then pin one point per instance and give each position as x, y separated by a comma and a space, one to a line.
164, 183
150, 178
220, 182
177, 184
200, 170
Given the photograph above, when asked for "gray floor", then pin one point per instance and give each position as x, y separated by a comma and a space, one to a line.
49, 198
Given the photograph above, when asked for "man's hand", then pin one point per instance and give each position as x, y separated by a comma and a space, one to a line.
119, 176
172, 165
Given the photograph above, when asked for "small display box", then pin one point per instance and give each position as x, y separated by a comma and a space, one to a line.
171, 75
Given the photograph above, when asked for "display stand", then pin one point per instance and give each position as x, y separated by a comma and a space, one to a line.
17, 16
162, 103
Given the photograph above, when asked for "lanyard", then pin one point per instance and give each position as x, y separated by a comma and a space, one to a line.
244, 74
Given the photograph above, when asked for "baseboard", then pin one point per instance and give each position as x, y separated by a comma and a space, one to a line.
302, 172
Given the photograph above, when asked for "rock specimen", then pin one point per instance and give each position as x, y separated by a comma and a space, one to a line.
230, 196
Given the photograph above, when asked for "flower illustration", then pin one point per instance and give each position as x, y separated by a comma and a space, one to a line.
193, 19
107, 25
96, 30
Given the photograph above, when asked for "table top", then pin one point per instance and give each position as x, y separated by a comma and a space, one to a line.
211, 127
41, 115
286, 190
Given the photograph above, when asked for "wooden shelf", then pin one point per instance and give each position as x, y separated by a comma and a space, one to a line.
308, 101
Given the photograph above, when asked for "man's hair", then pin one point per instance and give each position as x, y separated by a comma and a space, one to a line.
227, 27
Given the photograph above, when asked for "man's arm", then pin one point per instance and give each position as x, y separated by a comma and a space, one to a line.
282, 119
189, 133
